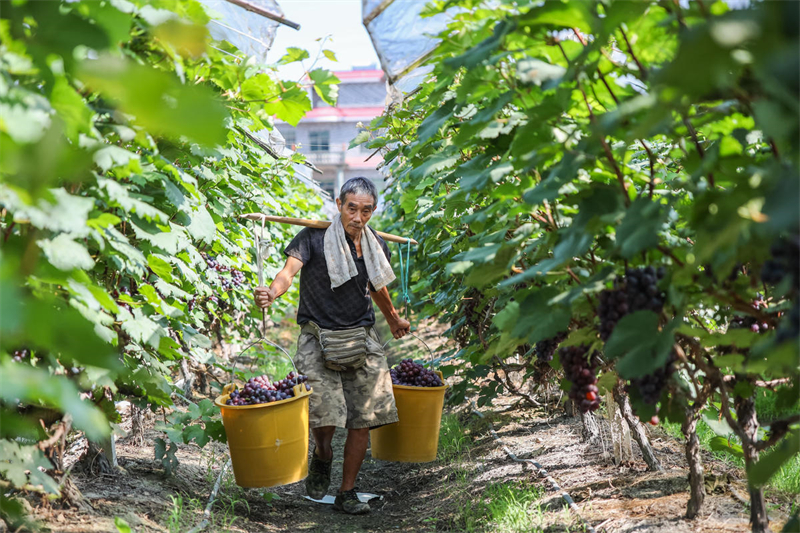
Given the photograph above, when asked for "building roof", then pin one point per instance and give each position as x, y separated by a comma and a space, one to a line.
357, 162
342, 114
359, 75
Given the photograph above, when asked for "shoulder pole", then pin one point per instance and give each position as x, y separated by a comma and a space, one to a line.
319, 224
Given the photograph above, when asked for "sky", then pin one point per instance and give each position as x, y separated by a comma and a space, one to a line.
339, 19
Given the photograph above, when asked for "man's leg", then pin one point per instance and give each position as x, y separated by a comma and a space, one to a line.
322, 438
319, 471
355, 448
327, 409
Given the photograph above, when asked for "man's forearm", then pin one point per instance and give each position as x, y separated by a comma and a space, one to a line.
281, 284
384, 303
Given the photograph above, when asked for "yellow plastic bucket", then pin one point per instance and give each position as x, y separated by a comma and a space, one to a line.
415, 438
268, 442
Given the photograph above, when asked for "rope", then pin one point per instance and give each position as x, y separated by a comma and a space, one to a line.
404, 275
207, 513
540, 470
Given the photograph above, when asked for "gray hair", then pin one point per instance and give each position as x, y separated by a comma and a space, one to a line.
358, 185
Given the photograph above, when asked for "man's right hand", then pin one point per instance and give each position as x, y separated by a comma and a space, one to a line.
264, 297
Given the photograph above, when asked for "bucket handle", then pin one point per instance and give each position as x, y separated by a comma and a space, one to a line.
430, 352
261, 340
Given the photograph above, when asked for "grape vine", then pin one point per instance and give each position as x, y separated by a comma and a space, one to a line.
601, 169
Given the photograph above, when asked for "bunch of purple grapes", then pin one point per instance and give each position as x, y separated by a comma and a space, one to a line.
581, 371
21, 355
546, 348
236, 280
613, 306
651, 385
637, 292
213, 264
751, 322
412, 374
641, 288
259, 390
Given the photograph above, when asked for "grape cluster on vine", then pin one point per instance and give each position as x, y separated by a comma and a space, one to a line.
259, 390
750, 322
546, 348
236, 280
580, 369
193, 302
412, 374
213, 264
613, 306
641, 288
651, 385
637, 291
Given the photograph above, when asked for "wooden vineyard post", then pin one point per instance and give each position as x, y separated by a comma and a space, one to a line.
620, 432
697, 489
637, 430
746, 415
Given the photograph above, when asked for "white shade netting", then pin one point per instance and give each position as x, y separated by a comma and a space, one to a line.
250, 32
402, 38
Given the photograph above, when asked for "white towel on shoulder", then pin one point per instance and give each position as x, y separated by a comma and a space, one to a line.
342, 267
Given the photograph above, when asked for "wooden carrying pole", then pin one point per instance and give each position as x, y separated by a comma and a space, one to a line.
319, 224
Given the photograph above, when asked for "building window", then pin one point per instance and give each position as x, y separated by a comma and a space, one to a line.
291, 138
319, 141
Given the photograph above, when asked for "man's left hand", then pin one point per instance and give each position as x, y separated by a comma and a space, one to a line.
400, 327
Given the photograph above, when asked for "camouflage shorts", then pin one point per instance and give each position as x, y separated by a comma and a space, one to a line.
354, 399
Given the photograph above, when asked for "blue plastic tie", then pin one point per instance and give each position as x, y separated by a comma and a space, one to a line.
404, 273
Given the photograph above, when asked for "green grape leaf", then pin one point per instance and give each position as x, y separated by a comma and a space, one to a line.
325, 85
722, 444
160, 267
293, 54
361, 138
33, 385
65, 254
160, 103
291, 107
640, 227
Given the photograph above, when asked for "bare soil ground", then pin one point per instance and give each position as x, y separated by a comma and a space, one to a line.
437, 496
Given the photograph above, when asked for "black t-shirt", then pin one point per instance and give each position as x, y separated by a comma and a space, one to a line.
348, 305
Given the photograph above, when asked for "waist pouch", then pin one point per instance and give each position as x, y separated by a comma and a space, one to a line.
343, 349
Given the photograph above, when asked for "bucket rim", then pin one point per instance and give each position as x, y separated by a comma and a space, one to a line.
414, 387
219, 401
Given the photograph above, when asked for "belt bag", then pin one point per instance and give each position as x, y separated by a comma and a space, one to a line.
343, 349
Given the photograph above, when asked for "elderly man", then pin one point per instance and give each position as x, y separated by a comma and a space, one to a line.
343, 269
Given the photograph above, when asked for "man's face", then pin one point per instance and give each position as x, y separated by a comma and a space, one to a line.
356, 212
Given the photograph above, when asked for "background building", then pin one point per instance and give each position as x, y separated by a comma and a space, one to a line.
325, 132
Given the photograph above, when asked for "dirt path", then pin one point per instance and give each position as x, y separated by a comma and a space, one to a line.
467, 489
